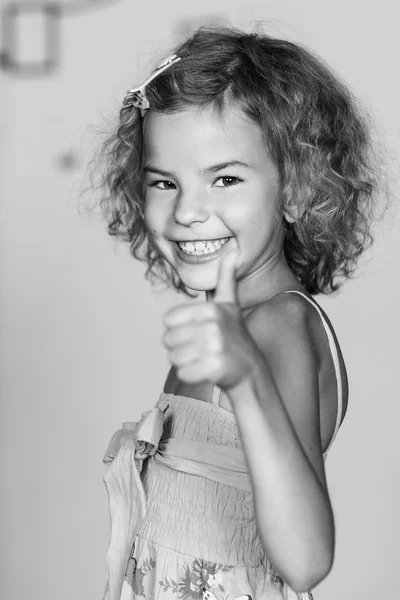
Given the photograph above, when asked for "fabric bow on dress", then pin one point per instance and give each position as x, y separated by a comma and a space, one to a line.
128, 448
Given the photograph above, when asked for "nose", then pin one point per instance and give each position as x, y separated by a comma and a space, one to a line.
190, 207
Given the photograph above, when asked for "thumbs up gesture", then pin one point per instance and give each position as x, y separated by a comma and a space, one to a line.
209, 341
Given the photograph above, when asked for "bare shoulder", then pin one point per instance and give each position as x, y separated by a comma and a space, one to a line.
281, 329
285, 317
292, 317
289, 330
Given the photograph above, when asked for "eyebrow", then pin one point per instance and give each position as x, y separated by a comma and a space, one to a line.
211, 169
224, 165
157, 171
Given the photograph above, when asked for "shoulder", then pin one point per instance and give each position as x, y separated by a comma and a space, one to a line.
292, 332
281, 328
285, 318
289, 305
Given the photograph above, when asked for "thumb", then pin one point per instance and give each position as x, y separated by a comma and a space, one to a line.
225, 290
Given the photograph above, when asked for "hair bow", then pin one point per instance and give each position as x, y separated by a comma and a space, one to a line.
137, 96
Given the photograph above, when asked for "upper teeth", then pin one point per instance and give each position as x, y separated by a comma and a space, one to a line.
204, 247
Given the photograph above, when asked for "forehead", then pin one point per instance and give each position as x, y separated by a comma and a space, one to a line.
202, 135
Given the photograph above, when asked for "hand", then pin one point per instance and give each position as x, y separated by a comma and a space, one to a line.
210, 341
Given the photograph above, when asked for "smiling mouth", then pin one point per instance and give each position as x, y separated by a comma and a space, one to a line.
198, 248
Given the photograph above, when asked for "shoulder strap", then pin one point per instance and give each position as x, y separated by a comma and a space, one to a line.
216, 393
336, 363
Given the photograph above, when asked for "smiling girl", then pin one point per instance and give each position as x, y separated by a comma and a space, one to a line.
198, 163
240, 169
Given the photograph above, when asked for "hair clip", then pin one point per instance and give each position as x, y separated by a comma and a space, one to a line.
137, 96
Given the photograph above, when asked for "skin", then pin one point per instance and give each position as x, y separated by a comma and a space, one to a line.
191, 203
273, 366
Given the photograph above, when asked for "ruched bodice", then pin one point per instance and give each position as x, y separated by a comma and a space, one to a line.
204, 518
198, 538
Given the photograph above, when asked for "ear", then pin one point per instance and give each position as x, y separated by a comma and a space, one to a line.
294, 214
289, 218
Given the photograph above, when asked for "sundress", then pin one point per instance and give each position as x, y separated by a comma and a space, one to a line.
181, 506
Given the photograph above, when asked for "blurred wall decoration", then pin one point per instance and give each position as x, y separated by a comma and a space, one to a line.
80, 348
31, 33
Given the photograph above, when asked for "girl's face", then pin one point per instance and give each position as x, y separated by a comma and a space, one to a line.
209, 178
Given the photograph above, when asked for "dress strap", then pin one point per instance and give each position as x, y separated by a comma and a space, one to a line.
216, 393
336, 363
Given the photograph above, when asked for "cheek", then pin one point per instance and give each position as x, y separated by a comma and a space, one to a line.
254, 218
153, 218
242, 216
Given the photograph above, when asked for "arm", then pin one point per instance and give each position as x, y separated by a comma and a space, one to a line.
269, 370
277, 408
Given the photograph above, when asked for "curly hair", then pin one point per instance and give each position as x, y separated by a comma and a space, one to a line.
314, 129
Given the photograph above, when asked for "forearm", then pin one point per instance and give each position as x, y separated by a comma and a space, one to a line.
293, 511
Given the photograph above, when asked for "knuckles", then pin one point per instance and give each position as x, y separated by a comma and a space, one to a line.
184, 314
197, 340
181, 356
214, 337
166, 339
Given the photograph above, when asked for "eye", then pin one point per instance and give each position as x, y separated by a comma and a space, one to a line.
227, 181
162, 184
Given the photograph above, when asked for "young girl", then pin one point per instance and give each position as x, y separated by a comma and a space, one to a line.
240, 168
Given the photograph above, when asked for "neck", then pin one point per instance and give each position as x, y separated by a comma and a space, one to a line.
272, 277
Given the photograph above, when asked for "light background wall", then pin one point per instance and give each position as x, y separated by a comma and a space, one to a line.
80, 328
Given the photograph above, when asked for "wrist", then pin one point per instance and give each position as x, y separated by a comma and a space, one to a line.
249, 384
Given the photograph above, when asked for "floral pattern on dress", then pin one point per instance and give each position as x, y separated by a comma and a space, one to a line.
134, 575
207, 595
200, 581
195, 579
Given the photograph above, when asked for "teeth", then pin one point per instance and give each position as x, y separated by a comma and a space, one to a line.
203, 247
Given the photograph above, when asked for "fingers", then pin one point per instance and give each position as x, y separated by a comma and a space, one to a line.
183, 355
198, 370
226, 290
178, 335
184, 314
192, 342
207, 334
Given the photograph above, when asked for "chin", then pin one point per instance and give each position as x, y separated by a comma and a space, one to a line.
200, 283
